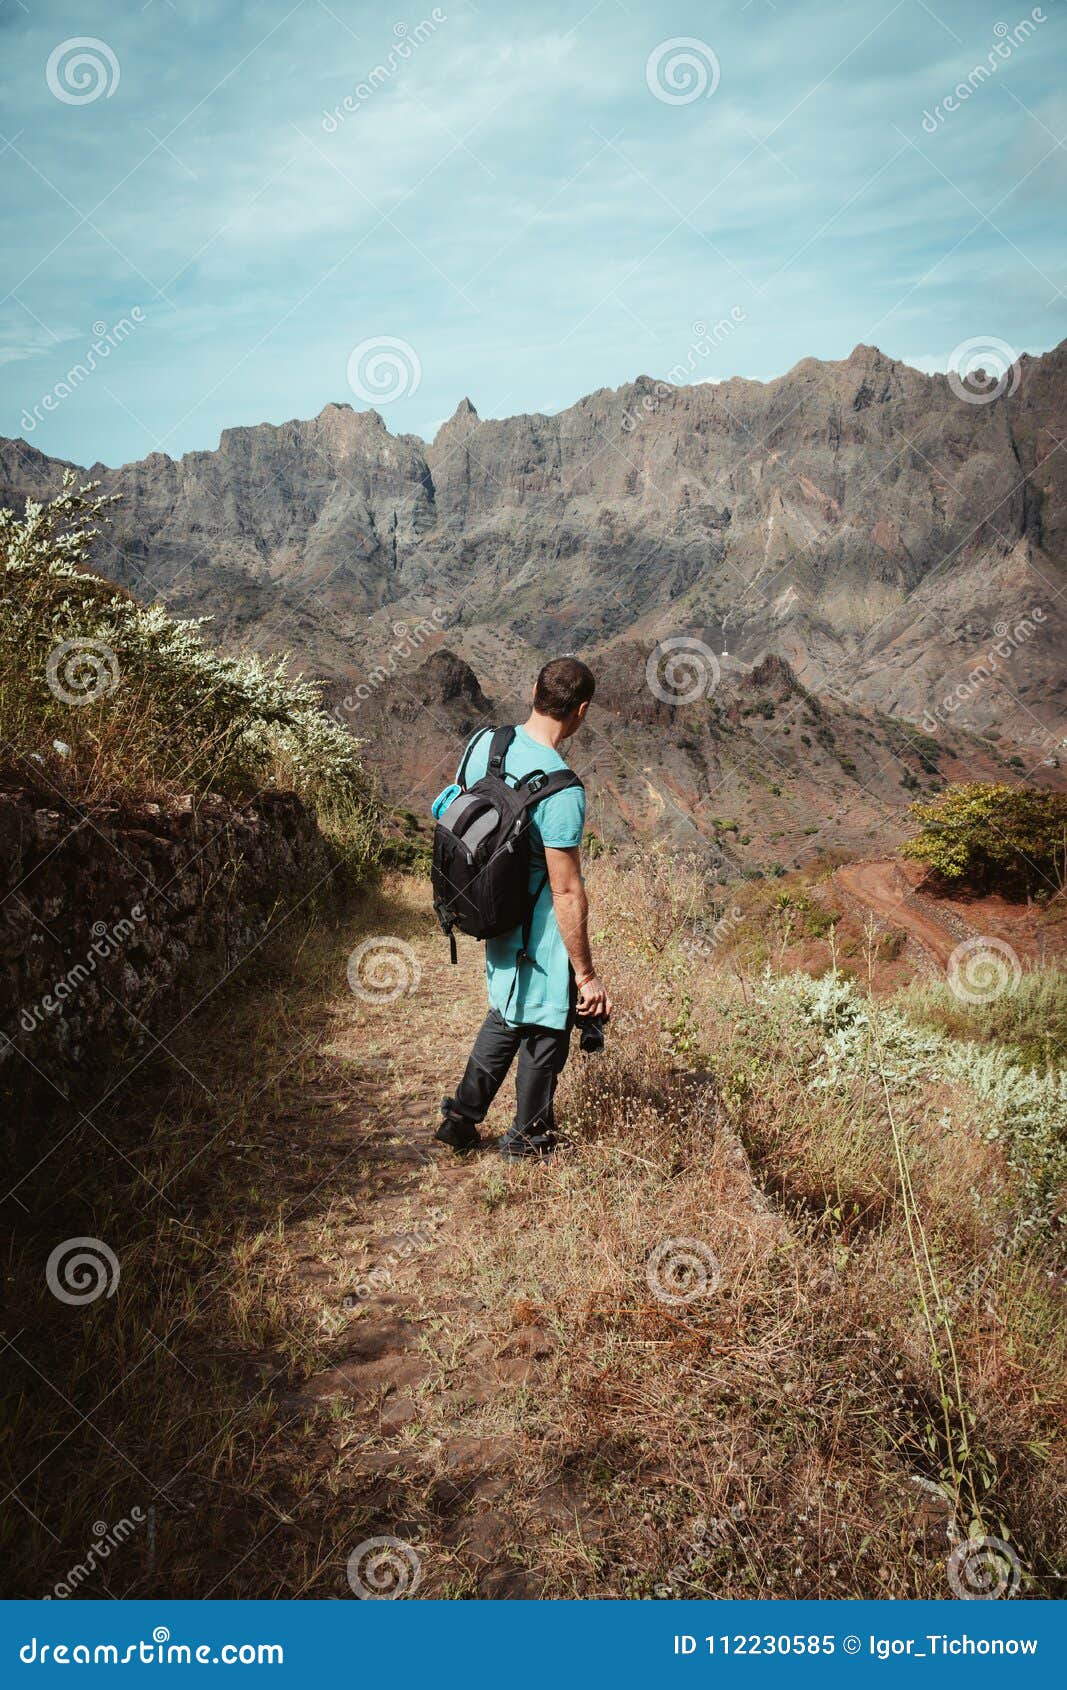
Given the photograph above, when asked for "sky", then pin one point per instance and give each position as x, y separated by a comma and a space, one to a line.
219, 214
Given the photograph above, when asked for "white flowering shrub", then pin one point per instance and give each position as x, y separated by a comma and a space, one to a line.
1006, 1100
127, 697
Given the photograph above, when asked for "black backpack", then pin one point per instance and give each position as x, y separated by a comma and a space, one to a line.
481, 848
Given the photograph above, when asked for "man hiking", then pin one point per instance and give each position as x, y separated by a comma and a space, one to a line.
540, 974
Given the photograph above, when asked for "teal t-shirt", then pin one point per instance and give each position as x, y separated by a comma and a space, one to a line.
540, 996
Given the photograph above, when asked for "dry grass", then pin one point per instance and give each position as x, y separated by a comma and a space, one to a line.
516, 1399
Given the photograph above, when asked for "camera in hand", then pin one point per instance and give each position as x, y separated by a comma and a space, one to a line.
591, 1028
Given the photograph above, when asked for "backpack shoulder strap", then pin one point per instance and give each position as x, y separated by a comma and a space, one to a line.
461, 773
499, 746
529, 791
537, 785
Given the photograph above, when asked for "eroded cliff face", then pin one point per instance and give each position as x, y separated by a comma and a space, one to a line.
754, 773
857, 517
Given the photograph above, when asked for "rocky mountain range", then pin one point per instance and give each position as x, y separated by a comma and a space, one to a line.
758, 774
896, 538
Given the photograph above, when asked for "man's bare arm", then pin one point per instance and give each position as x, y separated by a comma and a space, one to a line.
572, 914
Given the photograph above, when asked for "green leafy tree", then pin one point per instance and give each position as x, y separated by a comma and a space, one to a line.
994, 836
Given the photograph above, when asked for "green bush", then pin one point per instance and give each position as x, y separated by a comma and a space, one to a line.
1031, 1018
993, 837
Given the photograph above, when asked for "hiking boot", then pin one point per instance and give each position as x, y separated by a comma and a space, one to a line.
457, 1131
516, 1146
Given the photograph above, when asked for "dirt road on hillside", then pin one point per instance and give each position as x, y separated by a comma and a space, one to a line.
884, 888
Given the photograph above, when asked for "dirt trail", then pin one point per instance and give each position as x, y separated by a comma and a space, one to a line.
452, 1368
884, 888
428, 1376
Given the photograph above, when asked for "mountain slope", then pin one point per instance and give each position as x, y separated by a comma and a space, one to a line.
762, 774
858, 517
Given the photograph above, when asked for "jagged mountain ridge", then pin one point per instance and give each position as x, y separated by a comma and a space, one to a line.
857, 517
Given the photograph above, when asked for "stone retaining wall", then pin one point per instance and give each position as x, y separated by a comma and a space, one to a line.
104, 914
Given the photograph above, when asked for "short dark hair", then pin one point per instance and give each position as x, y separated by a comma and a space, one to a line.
562, 685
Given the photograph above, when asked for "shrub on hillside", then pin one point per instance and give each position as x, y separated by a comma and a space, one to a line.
994, 837
1031, 1018
105, 696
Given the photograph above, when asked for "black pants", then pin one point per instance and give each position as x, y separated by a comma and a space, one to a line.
542, 1053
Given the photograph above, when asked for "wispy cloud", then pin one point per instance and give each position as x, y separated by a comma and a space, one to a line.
512, 200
